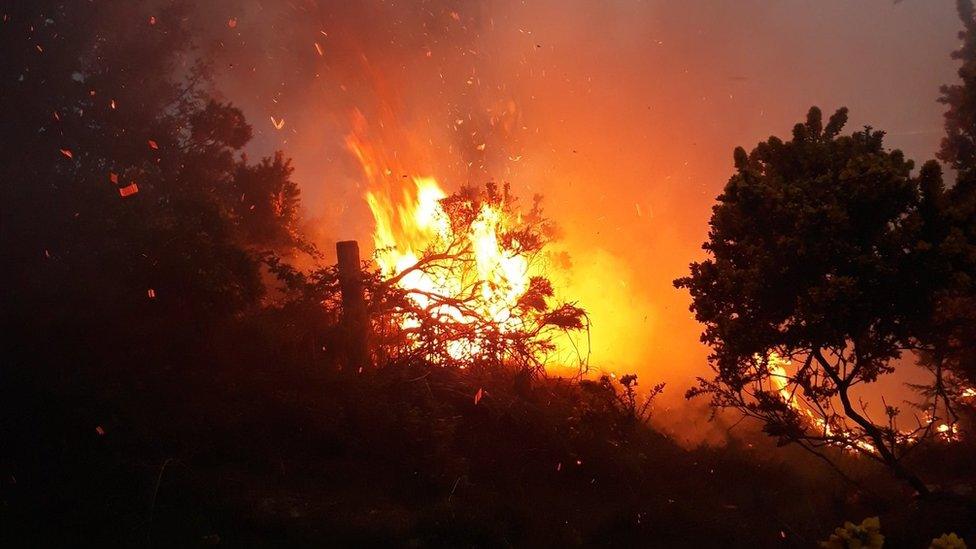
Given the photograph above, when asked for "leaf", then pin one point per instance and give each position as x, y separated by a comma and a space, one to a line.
478, 396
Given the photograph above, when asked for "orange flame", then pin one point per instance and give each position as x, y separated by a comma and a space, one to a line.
410, 221
781, 379
785, 387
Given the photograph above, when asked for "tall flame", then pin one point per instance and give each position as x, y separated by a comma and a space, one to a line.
410, 221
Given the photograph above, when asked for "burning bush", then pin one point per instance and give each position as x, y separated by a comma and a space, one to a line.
465, 285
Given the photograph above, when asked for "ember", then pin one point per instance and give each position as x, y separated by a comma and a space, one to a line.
129, 190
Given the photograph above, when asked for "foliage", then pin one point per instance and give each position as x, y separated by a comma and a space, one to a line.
211, 409
954, 209
267, 209
818, 259
621, 394
948, 541
959, 145
866, 535
125, 195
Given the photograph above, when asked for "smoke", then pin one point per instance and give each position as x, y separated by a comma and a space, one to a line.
623, 115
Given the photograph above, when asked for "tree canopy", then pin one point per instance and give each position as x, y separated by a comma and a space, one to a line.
126, 194
818, 258
955, 233
958, 148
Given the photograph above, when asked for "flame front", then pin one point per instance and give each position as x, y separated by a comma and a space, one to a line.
477, 272
781, 380
786, 388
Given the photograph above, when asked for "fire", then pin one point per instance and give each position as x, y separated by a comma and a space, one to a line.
948, 432
407, 229
501, 272
403, 229
781, 380
465, 262
787, 390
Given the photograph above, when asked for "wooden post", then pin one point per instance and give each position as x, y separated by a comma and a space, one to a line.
354, 320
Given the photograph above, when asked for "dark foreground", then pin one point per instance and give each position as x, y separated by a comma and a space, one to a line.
236, 438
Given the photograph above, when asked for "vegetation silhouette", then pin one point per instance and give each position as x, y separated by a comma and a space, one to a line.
825, 251
171, 377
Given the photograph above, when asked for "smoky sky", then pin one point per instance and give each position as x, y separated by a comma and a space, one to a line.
622, 114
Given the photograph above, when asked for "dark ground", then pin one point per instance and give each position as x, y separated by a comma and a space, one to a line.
218, 442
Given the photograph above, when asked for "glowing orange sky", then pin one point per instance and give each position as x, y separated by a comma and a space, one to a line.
623, 114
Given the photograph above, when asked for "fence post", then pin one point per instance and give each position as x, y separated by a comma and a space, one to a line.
354, 319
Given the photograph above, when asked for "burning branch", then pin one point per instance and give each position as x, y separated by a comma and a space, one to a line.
474, 296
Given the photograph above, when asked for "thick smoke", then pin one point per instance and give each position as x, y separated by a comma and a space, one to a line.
624, 115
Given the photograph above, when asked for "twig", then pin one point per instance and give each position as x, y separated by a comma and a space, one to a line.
152, 507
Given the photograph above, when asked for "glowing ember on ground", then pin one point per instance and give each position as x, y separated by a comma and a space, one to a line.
830, 427
788, 392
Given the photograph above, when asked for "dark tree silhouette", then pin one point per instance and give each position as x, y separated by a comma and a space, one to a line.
125, 194
959, 145
267, 205
953, 211
816, 261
